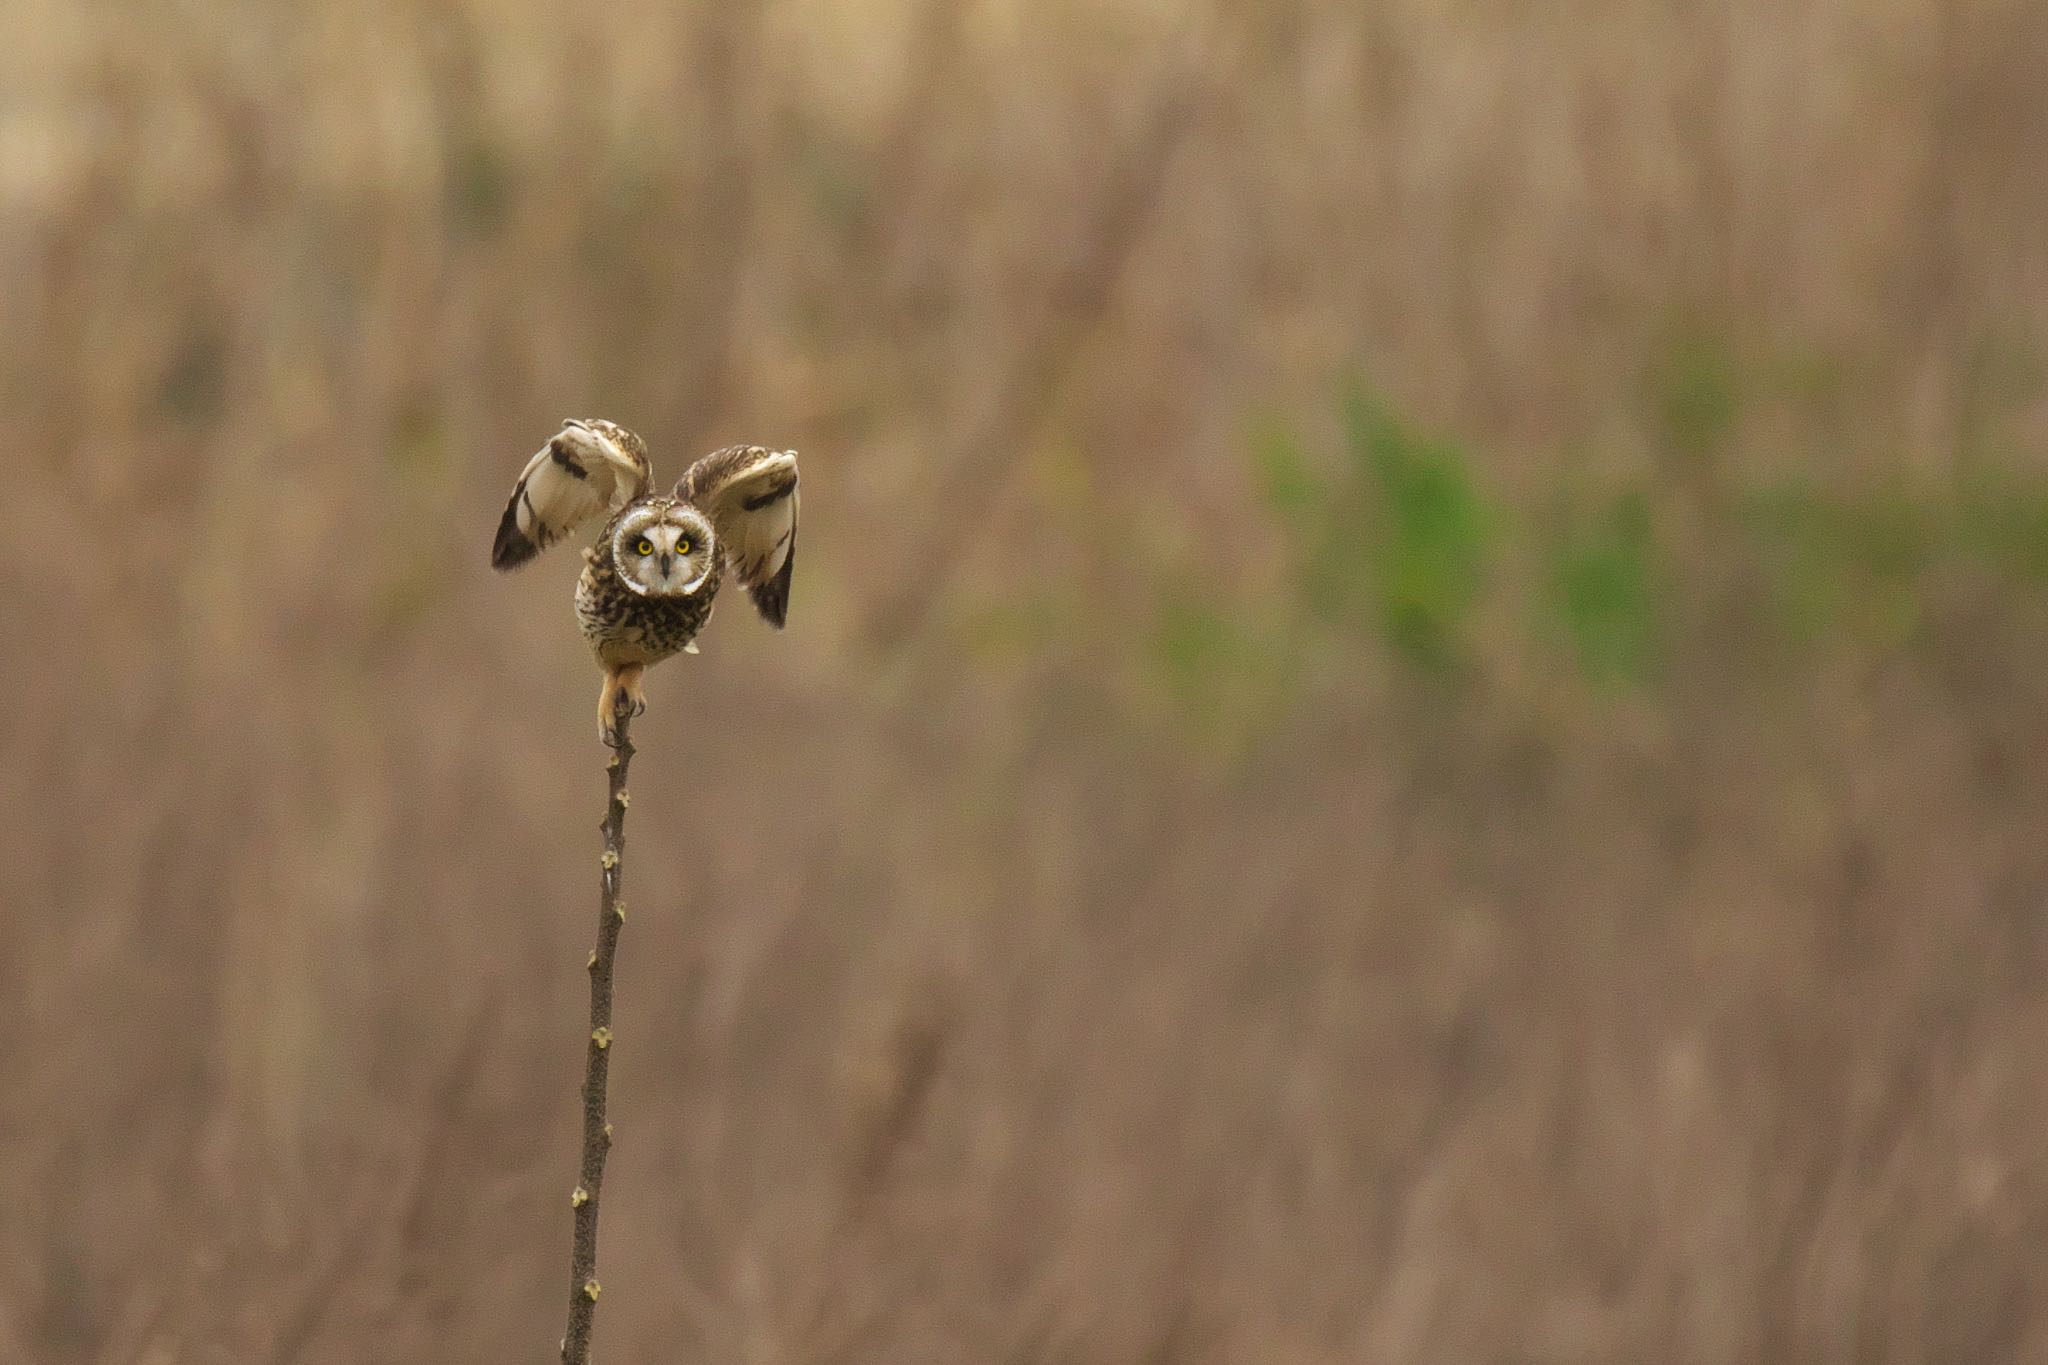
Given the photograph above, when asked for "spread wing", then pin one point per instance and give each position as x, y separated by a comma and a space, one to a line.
750, 495
586, 469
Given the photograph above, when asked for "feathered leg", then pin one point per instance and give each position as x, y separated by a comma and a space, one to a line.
607, 707
622, 696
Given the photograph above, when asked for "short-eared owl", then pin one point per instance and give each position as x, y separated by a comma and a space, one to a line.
648, 583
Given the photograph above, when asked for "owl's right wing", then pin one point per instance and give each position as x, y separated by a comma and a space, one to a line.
579, 474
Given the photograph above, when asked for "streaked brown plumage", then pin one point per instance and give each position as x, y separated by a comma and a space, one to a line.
649, 582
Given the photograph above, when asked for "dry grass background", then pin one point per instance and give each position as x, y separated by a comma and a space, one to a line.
979, 1001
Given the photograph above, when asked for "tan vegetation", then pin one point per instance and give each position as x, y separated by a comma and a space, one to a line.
1545, 863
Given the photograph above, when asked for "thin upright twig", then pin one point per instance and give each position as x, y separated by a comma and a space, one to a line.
597, 1134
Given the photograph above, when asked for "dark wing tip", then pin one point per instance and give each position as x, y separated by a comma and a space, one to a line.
772, 596
513, 546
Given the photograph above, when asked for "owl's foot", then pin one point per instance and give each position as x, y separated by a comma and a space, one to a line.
620, 699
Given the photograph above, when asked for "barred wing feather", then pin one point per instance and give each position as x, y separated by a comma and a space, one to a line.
750, 494
584, 471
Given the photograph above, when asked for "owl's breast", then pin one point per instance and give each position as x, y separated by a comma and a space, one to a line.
625, 627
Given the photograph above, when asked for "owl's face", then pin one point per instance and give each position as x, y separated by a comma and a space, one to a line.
663, 550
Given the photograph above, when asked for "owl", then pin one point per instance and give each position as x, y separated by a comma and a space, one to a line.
648, 583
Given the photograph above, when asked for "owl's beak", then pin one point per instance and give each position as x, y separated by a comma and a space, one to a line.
667, 563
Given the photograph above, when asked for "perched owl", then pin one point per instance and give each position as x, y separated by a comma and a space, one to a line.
648, 583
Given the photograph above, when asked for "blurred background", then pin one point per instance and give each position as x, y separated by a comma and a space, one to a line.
1413, 728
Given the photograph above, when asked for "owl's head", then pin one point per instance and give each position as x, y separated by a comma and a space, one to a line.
663, 549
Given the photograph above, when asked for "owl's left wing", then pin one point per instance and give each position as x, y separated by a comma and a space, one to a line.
750, 494
581, 472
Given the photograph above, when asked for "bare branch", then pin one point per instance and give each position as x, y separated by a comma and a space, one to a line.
597, 1134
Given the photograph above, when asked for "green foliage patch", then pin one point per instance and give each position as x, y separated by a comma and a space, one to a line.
1602, 575
1385, 541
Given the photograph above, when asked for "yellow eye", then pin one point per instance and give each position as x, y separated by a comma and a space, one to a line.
643, 548
682, 547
